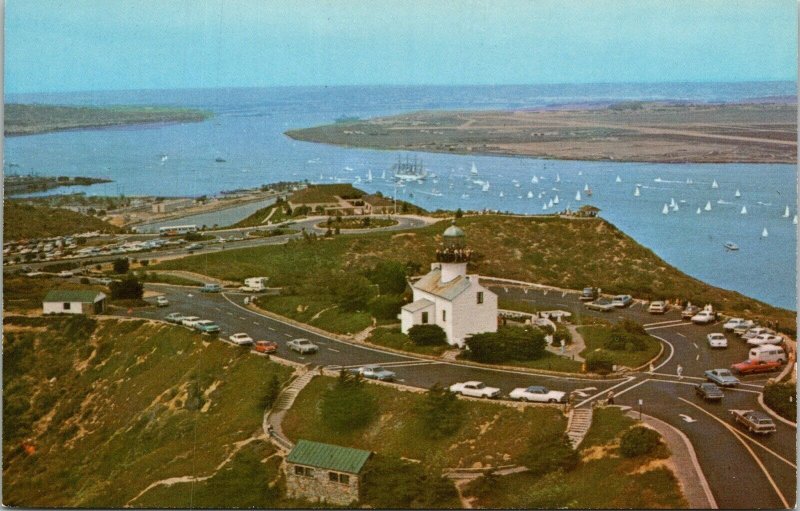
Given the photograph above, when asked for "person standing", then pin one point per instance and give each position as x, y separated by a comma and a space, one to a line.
610, 397
680, 371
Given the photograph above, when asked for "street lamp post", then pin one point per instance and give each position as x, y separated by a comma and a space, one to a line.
641, 401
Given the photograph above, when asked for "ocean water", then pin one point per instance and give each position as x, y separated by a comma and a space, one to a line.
247, 131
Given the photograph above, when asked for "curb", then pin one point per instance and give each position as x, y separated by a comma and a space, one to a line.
773, 413
652, 360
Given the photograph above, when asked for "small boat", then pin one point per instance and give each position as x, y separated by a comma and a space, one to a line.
671, 202
544, 207
737, 194
786, 212
348, 169
555, 199
485, 187
586, 187
698, 211
729, 245
708, 206
558, 178
578, 195
501, 194
530, 195
535, 180
675, 207
689, 181
383, 174
465, 196
794, 220
589, 192
665, 210
219, 160
580, 172
744, 210
714, 184
637, 192
164, 157
658, 180
550, 204
474, 170
764, 233
369, 176
618, 180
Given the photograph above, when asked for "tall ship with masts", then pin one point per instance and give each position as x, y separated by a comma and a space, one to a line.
409, 170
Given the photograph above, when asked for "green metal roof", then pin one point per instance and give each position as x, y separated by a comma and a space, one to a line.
326, 456
73, 295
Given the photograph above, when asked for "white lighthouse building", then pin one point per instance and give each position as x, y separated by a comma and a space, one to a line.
450, 298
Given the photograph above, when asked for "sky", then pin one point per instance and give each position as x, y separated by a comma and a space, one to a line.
86, 45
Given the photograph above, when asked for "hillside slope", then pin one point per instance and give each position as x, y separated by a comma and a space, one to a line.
95, 412
21, 221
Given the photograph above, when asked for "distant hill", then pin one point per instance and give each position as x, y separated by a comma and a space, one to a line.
23, 221
31, 119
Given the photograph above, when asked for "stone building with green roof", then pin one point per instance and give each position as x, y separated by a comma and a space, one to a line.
325, 473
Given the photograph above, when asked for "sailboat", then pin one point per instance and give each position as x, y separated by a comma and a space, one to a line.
708, 206
744, 210
586, 187
550, 204
618, 180
764, 233
383, 175
485, 186
786, 212
369, 176
530, 195
558, 178
544, 207
501, 193
689, 181
714, 184
474, 170
580, 172
637, 192
675, 207
578, 195
555, 199
794, 220
698, 211
665, 210
535, 180
671, 202
737, 194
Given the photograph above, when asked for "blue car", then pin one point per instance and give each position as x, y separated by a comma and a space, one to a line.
722, 377
375, 372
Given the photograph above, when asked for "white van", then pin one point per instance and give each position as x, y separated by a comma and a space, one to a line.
768, 353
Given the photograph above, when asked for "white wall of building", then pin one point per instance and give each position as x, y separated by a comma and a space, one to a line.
58, 308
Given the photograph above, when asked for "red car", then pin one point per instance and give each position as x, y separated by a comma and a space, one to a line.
755, 366
266, 346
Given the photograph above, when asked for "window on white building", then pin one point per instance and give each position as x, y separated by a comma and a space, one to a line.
424, 318
444, 315
480, 297
67, 306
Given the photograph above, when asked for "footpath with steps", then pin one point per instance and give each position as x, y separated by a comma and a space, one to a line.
580, 420
274, 417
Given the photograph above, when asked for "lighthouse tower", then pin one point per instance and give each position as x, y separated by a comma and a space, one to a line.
453, 256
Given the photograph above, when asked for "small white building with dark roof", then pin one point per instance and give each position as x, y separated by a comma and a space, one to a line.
450, 298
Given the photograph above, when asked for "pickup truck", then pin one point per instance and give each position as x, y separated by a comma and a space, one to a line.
755, 422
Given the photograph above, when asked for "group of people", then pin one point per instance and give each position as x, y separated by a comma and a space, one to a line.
453, 254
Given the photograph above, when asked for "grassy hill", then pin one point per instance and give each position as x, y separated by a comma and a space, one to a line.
22, 221
568, 253
32, 119
95, 412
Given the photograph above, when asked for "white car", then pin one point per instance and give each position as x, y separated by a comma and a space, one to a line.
190, 321
735, 323
241, 339
66, 274
755, 332
622, 300
161, 301
717, 340
302, 346
538, 394
704, 317
658, 307
475, 389
765, 338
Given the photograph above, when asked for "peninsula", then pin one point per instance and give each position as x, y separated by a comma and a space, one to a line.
758, 132
33, 119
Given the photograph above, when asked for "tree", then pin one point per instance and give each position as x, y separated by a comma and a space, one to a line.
599, 361
128, 288
385, 306
508, 343
638, 441
273, 389
353, 292
459, 213
427, 335
390, 276
553, 454
348, 405
121, 265
392, 483
440, 412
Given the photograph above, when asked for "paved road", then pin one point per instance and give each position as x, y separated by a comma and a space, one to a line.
738, 477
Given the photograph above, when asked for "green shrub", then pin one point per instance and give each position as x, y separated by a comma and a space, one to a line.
353, 292
508, 343
427, 335
390, 482
553, 454
121, 265
348, 405
562, 333
639, 441
390, 277
782, 397
386, 306
128, 288
600, 362
273, 389
441, 413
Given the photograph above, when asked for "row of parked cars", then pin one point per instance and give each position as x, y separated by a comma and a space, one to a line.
532, 394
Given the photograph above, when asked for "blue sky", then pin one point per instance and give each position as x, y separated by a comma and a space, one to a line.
144, 44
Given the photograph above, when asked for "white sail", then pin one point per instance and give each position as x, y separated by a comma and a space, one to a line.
637, 192
744, 210
698, 211
580, 172
530, 195
474, 170
671, 202
786, 212
544, 207
578, 195
738, 193
501, 194
665, 210
714, 184
586, 187
558, 178
534, 180
618, 180
383, 175
794, 220
689, 181
369, 176
550, 204
764, 233
675, 207
555, 200
485, 186
708, 206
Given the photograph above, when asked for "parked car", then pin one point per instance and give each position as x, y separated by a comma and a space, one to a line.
734, 323
756, 331
190, 321
658, 307
742, 329
211, 288
622, 300
65, 274
241, 339
104, 281
722, 377
302, 346
161, 301
601, 304
175, 317
765, 339
266, 346
756, 366
374, 372
717, 340
588, 294
538, 394
475, 389
754, 422
206, 326
704, 317
709, 391
194, 246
